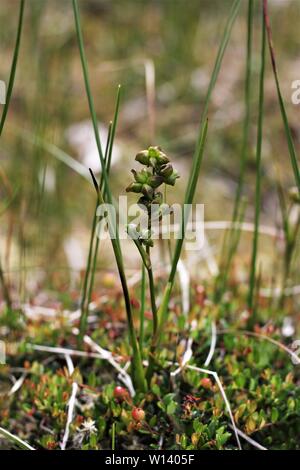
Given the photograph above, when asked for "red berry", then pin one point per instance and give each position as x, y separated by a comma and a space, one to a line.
206, 383
138, 414
120, 393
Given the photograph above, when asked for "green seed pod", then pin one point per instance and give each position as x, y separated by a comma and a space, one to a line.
166, 170
143, 157
162, 159
157, 157
142, 176
153, 152
154, 157
155, 181
134, 188
172, 178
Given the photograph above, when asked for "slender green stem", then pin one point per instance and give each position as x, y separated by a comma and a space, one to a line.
231, 240
218, 62
90, 98
88, 282
114, 127
163, 309
168, 239
288, 133
5, 289
95, 217
13, 66
246, 124
11, 80
113, 436
142, 309
188, 200
107, 158
145, 255
137, 369
83, 307
291, 231
15, 440
152, 299
154, 325
252, 280
151, 281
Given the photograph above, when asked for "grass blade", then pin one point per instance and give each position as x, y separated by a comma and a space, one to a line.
90, 98
137, 366
13, 66
252, 280
113, 130
107, 157
3, 119
142, 309
5, 289
190, 192
197, 160
246, 124
230, 245
15, 440
91, 266
93, 253
218, 62
287, 129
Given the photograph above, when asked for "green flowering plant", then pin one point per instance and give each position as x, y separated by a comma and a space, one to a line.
157, 171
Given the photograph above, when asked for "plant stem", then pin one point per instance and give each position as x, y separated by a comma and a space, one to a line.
154, 325
169, 246
246, 124
11, 80
290, 244
287, 129
107, 158
163, 309
90, 268
252, 280
5, 289
151, 280
137, 369
113, 436
142, 310
13, 66
90, 98
230, 245
15, 440
152, 298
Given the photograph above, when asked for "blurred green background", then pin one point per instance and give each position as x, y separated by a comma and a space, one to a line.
162, 53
